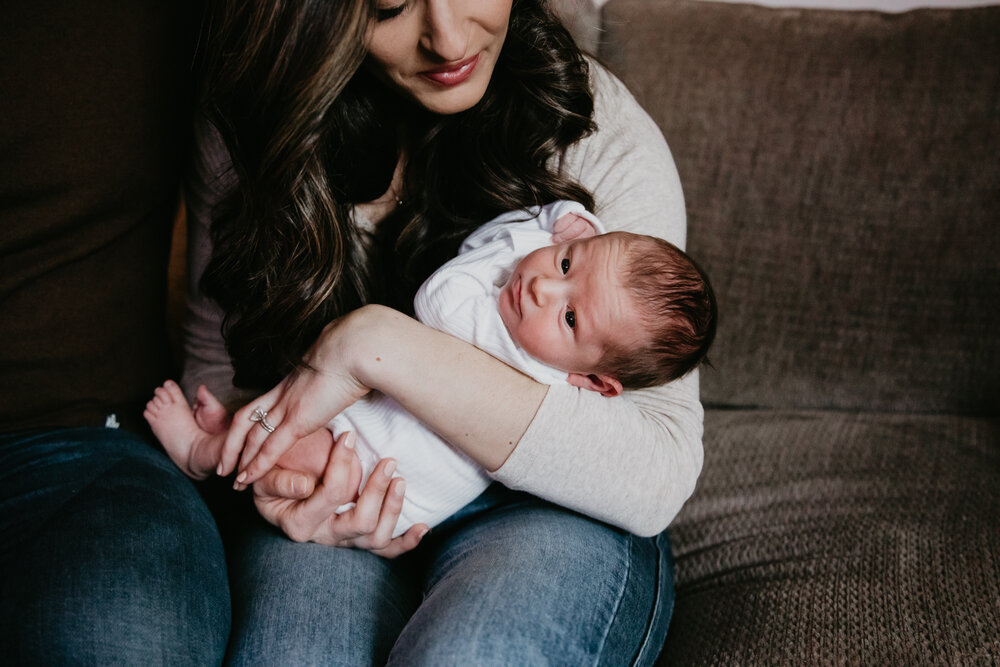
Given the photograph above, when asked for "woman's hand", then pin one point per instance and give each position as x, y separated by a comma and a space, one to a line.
305, 401
307, 513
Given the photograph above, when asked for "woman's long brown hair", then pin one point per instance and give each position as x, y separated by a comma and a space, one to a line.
311, 133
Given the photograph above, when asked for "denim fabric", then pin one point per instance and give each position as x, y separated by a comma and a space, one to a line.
309, 604
509, 580
107, 555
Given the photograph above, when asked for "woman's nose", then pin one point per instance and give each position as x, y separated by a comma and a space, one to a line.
446, 29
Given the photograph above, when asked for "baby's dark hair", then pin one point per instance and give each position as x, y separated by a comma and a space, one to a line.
677, 305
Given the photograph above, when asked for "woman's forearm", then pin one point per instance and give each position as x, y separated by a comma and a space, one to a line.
630, 461
475, 402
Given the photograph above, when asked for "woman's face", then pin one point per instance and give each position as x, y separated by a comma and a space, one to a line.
439, 53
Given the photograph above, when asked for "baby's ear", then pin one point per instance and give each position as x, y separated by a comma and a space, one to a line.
602, 384
571, 227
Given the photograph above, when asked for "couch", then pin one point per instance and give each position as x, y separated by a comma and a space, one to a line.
842, 178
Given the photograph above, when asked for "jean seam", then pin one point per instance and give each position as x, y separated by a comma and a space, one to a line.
618, 603
647, 635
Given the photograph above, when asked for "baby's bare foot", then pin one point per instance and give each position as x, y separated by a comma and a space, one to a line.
209, 414
195, 451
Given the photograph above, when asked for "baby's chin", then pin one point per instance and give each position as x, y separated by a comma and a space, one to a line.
505, 307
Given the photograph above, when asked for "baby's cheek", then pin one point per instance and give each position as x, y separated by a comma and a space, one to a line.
541, 345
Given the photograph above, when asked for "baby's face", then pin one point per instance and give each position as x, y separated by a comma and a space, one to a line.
565, 305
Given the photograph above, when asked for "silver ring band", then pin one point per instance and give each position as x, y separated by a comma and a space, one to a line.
260, 416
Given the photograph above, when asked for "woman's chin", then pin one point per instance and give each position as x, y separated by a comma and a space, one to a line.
446, 102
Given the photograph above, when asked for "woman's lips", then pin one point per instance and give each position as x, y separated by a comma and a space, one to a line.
454, 74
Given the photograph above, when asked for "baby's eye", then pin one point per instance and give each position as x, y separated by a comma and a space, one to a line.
564, 265
570, 315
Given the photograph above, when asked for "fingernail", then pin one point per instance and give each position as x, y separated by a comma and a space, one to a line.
390, 468
218, 469
349, 440
298, 485
242, 477
400, 488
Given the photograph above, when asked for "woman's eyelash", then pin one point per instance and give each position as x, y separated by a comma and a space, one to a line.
389, 12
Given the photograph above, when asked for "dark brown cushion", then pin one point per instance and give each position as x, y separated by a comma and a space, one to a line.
842, 179
819, 537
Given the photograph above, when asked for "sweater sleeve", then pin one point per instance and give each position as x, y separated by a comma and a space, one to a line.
631, 461
207, 180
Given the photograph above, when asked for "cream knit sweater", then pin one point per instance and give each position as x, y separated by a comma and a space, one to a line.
631, 461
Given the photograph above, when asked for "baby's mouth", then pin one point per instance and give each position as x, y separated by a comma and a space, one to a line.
516, 293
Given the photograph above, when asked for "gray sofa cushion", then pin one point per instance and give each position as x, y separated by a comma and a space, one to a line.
826, 538
843, 191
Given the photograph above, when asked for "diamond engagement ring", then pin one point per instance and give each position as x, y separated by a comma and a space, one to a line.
260, 416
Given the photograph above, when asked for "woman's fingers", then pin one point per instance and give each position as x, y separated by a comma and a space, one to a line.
368, 508
392, 504
380, 540
368, 525
339, 486
281, 483
309, 519
264, 448
405, 542
244, 425
235, 441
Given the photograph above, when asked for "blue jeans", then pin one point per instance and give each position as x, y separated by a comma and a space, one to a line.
108, 555
510, 580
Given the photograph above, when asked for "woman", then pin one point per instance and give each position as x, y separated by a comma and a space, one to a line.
354, 175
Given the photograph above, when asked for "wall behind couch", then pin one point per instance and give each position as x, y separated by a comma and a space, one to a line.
879, 5
583, 17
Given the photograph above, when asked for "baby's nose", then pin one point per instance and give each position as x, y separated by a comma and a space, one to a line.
544, 289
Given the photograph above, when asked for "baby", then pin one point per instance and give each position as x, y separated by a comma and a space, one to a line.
603, 312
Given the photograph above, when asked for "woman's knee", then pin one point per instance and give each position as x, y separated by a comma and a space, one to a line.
127, 566
540, 584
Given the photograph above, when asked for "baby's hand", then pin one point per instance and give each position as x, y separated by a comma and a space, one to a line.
571, 227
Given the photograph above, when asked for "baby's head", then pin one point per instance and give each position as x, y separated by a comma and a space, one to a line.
616, 311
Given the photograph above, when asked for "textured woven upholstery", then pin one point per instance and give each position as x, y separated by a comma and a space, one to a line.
821, 537
842, 178
843, 185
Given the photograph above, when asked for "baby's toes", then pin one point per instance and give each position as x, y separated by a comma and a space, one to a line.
173, 390
152, 412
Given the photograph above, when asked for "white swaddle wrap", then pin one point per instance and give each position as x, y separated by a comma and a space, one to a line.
460, 298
